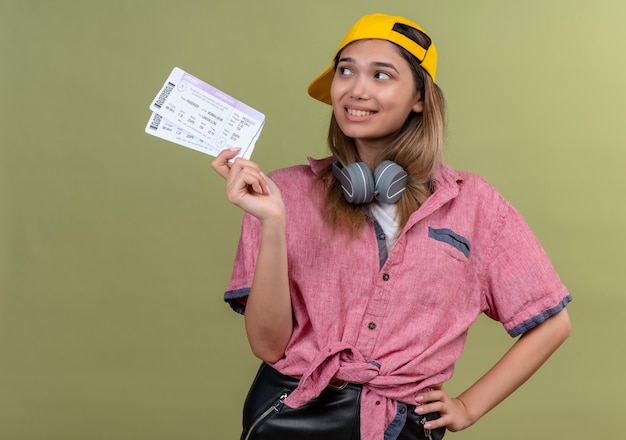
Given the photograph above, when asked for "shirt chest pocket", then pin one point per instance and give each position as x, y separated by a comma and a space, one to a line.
458, 247
442, 264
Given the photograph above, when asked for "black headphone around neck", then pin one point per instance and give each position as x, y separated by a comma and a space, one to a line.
359, 185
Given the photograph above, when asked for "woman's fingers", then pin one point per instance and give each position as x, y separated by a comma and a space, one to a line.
247, 187
221, 162
244, 178
240, 173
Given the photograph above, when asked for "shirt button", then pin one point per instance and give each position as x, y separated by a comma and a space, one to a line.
402, 409
382, 237
371, 325
386, 277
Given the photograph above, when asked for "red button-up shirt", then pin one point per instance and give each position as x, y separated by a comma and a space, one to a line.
397, 323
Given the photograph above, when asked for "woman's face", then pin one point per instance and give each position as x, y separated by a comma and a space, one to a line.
373, 92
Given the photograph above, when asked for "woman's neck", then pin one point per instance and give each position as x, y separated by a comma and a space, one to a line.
369, 153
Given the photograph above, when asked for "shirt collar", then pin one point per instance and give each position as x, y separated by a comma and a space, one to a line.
318, 165
446, 176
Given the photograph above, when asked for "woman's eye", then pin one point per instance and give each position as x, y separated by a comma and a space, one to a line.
343, 70
382, 75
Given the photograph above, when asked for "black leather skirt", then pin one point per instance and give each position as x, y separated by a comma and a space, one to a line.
333, 415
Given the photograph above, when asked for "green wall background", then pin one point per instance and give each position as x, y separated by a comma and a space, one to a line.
115, 247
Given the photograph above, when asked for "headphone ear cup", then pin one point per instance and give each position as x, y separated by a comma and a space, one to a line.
391, 181
356, 181
362, 181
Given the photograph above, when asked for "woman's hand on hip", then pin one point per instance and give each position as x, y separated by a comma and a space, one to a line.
453, 414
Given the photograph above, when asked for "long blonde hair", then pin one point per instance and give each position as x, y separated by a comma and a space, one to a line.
417, 147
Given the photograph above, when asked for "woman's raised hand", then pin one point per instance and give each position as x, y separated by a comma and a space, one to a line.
248, 188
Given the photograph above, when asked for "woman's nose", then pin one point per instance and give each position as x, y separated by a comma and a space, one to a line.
359, 88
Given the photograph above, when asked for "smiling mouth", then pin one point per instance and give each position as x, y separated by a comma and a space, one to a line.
354, 112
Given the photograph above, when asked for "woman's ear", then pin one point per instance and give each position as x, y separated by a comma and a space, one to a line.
418, 107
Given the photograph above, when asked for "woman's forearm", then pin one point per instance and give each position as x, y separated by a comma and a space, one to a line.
268, 316
516, 366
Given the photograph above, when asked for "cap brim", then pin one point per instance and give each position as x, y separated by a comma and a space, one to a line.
320, 86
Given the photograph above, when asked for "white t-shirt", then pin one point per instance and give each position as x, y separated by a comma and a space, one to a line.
385, 214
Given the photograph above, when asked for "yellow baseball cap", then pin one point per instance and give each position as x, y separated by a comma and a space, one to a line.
379, 27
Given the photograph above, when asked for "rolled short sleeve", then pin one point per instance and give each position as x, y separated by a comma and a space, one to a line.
523, 288
245, 261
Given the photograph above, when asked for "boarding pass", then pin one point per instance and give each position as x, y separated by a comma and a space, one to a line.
196, 115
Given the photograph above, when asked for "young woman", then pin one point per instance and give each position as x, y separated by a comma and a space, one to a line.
368, 267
